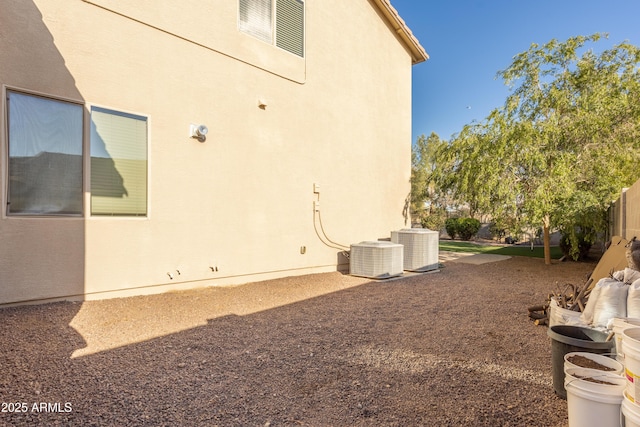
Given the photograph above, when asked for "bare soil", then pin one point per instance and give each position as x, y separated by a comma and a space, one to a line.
585, 362
450, 348
594, 380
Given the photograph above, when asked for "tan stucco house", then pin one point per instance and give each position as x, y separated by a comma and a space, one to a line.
154, 145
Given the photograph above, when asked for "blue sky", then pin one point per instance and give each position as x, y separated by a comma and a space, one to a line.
469, 41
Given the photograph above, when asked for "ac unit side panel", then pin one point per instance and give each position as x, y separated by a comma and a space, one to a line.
376, 261
420, 248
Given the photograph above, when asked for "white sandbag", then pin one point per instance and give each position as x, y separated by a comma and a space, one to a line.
611, 302
631, 275
618, 275
563, 316
587, 314
633, 299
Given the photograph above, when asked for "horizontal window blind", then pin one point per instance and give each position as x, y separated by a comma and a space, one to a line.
255, 19
118, 163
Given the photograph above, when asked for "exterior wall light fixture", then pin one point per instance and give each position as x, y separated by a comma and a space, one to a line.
198, 132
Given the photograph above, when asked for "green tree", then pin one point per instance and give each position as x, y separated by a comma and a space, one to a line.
559, 150
427, 203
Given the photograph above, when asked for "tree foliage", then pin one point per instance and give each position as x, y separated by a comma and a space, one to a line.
428, 204
560, 149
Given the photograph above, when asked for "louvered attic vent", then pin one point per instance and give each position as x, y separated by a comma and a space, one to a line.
290, 26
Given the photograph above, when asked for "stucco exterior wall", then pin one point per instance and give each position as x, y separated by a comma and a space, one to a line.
240, 206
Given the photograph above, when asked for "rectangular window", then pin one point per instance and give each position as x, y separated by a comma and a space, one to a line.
257, 17
45, 155
118, 163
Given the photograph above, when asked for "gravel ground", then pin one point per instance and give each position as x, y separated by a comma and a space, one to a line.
450, 348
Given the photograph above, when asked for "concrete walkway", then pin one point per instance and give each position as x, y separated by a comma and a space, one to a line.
469, 258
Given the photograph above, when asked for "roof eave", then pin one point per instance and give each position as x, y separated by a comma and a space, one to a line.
418, 54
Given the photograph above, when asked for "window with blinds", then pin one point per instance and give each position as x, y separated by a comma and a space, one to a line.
279, 22
118, 163
255, 19
45, 155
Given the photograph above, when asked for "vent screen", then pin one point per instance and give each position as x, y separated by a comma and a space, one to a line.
376, 260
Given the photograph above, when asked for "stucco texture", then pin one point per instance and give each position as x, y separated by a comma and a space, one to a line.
239, 206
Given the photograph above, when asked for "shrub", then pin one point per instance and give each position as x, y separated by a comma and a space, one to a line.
468, 227
451, 226
465, 228
432, 222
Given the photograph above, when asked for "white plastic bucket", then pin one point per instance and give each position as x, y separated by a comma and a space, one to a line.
631, 413
591, 404
619, 324
617, 367
631, 349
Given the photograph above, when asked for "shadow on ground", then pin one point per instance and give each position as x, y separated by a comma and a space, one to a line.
436, 349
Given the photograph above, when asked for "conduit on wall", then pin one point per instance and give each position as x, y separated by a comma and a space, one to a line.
321, 233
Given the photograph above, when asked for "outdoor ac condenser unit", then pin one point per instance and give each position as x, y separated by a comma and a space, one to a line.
420, 248
376, 260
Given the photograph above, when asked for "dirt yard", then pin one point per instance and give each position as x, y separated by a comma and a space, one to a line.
442, 349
